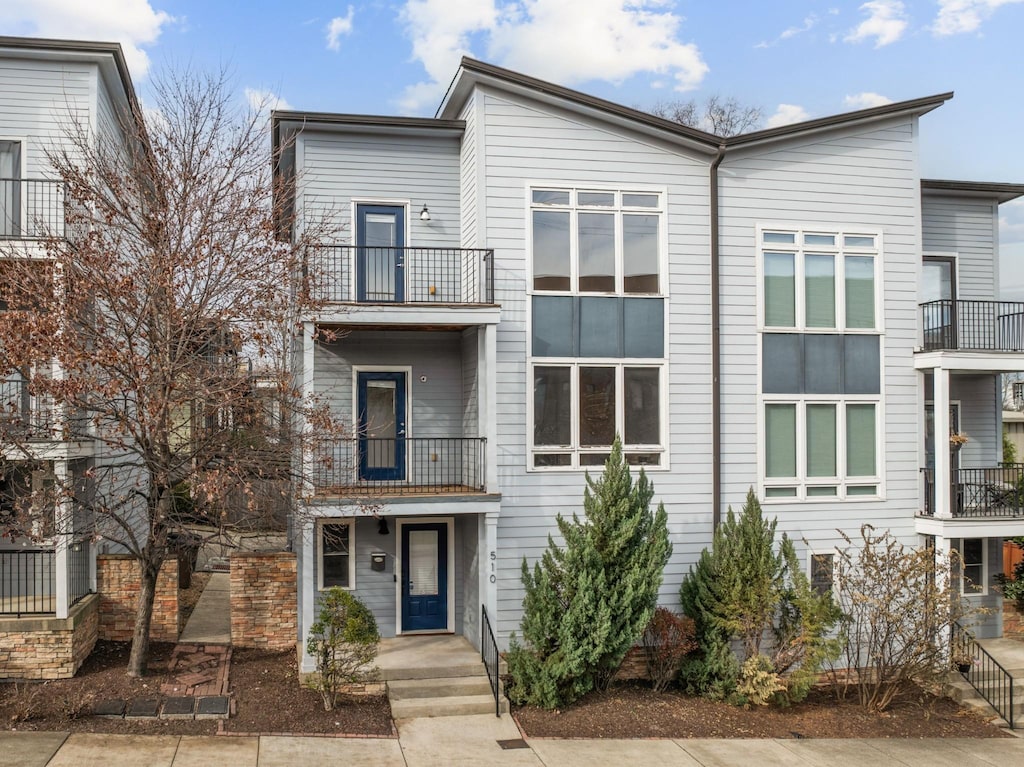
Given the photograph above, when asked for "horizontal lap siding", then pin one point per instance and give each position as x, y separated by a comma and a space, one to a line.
859, 178
966, 227
979, 414
529, 143
422, 171
41, 101
467, 177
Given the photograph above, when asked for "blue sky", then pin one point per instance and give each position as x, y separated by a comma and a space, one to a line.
796, 60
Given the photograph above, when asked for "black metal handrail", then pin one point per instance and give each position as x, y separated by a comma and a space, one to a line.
973, 325
401, 466
31, 209
27, 582
413, 275
79, 557
30, 415
983, 672
489, 655
985, 492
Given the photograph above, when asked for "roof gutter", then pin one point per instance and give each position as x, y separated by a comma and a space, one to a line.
716, 362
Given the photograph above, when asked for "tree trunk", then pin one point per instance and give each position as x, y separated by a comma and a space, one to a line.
139, 657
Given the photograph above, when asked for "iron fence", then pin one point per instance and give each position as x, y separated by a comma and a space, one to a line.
420, 275
489, 655
983, 672
31, 209
79, 558
973, 325
27, 582
988, 492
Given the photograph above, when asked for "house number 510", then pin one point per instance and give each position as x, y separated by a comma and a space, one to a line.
494, 567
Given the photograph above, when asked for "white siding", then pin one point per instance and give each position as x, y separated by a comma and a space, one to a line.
467, 177
862, 178
967, 227
980, 409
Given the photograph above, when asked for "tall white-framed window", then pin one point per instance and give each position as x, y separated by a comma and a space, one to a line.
820, 365
597, 355
974, 567
821, 571
336, 561
10, 188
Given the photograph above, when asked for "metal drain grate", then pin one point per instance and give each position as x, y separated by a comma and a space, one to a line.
513, 743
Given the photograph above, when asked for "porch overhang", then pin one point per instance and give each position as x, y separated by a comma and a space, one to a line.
970, 361
960, 527
406, 506
411, 315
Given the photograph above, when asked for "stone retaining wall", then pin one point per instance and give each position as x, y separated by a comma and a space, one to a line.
1013, 621
264, 600
49, 648
117, 581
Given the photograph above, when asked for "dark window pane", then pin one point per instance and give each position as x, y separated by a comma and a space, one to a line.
552, 459
597, 406
644, 320
553, 326
597, 252
550, 250
643, 459
334, 551
821, 572
822, 364
642, 405
593, 459
861, 365
551, 406
640, 253
600, 327
781, 363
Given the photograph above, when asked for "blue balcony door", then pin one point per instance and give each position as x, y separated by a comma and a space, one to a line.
380, 254
381, 398
425, 577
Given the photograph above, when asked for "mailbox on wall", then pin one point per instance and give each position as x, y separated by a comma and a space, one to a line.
378, 561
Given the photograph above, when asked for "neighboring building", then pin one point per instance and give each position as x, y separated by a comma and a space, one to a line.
535, 270
46, 87
1013, 427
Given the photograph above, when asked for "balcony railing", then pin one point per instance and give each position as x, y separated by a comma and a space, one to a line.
23, 414
403, 466
28, 579
345, 273
980, 493
973, 325
31, 209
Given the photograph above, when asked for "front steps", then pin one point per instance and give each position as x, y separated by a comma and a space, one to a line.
960, 690
439, 675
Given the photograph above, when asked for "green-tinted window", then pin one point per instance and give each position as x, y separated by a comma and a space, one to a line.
779, 290
821, 440
780, 440
860, 291
820, 289
860, 441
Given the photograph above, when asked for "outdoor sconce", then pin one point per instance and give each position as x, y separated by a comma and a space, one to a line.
382, 526
424, 214
378, 559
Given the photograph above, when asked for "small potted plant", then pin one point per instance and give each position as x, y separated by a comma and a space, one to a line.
962, 661
958, 440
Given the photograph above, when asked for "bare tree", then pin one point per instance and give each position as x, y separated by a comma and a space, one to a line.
718, 115
164, 280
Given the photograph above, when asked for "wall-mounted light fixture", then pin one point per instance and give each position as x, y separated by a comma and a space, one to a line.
382, 526
424, 214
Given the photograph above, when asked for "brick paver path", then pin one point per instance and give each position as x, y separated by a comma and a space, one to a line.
198, 670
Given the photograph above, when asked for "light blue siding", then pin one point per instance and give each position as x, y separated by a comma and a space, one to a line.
967, 227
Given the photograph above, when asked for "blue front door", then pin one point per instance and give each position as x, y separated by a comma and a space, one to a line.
380, 253
425, 576
381, 425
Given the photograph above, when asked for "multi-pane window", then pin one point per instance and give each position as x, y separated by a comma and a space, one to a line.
336, 541
975, 564
822, 572
821, 376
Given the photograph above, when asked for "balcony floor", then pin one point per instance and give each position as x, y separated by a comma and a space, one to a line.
378, 491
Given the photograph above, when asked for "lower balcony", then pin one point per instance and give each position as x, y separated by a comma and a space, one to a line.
366, 467
30, 576
986, 493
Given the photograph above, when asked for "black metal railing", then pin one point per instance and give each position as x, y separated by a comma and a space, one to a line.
983, 672
31, 209
343, 273
489, 655
20, 411
990, 492
27, 582
973, 325
79, 557
402, 466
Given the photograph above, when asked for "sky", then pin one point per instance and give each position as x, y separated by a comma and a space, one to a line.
795, 59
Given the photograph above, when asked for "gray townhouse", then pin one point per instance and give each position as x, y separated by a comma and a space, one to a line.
535, 270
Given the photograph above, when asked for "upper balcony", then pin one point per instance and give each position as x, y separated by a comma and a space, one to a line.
31, 209
983, 335
403, 285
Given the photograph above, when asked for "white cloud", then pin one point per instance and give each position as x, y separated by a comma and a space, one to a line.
865, 100
886, 23
133, 23
568, 41
958, 16
807, 26
787, 114
263, 100
1011, 222
338, 26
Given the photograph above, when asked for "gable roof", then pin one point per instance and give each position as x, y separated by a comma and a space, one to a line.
472, 72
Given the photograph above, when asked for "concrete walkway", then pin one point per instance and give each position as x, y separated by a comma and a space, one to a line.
473, 741
210, 622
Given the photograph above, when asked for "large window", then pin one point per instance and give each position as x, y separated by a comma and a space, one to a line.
336, 544
579, 408
974, 559
821, 364
10, 188
590, 241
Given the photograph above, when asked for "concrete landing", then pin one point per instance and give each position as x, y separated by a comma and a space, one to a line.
428, 657
210, 622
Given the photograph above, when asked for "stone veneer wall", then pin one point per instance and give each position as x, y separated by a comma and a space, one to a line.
117, 581
1013, 621
49, 648
264, 600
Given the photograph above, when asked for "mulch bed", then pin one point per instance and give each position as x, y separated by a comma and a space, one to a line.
635, 711
264, 687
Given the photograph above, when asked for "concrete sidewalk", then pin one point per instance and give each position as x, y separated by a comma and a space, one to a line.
210, 622
473, 740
